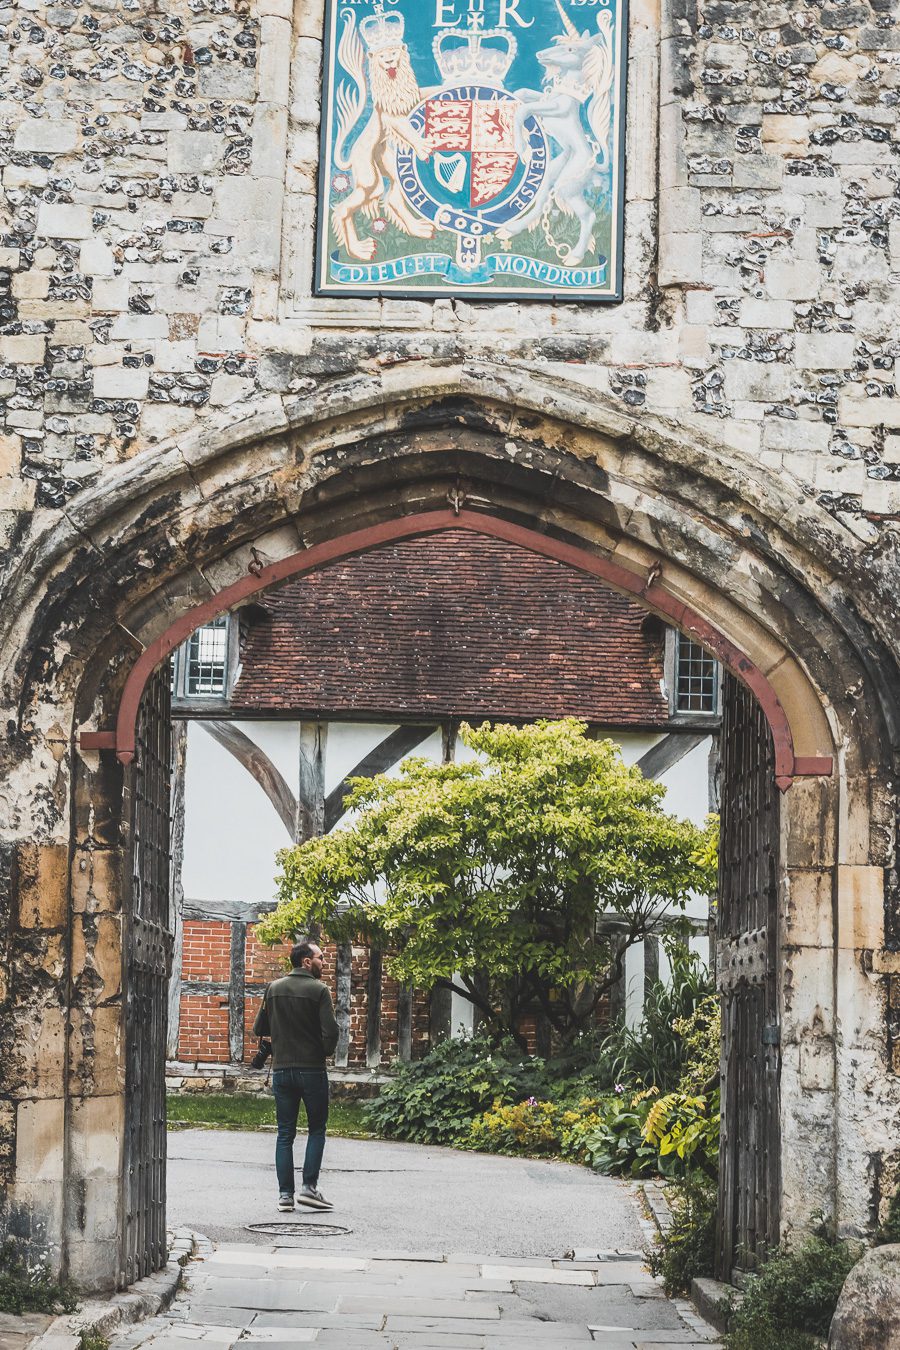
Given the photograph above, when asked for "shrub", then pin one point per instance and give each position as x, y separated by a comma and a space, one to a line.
536, 1126
701, 1034
655, 1054
435, 1099
686, 1251
26, 1288
793, 1297
617, 1145
686, 1126
527, 1127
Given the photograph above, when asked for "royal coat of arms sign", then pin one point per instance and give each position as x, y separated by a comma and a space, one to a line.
473, 148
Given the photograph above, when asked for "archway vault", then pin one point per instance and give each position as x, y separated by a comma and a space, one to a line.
697, 530
798, 753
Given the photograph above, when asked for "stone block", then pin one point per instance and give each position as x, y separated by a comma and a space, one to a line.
133, 327
40, 1139
96, 1051
788, 279
809, 823
46, 136
756, 382
195, 151
96, 259
680, 259
806, 907
159, 421
894, 241
121, 382
43, 875
97, 953
824, 351
61, 221
784, 134
860, 907
758, 171
274, 69
111, 295
856, 411
31, 285
817, 1063
680, 210
24, 349
227, 389
823, 212
97, 880
42, 1055
767, 313
96, 1136
10, 455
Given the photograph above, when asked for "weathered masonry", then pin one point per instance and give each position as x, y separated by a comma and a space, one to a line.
186, 423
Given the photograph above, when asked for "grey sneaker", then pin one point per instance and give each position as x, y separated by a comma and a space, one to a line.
308, 1195
285, 1201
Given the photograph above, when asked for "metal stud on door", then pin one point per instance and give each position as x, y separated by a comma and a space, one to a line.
746, 966
148, 944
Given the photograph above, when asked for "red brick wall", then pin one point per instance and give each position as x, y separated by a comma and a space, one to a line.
203, 1029
207, 950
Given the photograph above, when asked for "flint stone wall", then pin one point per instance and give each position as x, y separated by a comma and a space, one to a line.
159, 174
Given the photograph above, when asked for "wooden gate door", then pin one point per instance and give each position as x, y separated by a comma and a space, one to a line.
147, 965
746, 963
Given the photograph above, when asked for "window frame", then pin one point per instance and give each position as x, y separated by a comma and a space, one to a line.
182, 700
674, 639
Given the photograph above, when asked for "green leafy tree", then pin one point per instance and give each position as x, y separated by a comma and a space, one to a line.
518, 878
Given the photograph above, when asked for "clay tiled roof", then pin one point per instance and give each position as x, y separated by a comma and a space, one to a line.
454, 625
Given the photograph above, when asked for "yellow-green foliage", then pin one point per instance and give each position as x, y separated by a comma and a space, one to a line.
684, 1125
536, 1127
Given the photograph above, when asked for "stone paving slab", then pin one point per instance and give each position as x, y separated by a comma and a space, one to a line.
242, 1297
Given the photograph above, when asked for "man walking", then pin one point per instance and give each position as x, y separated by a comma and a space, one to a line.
298, 1016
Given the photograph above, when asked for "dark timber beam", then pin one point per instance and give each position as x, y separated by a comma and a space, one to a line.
385, 755
258, 764
672, 748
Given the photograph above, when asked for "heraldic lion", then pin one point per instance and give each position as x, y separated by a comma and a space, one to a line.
383, 67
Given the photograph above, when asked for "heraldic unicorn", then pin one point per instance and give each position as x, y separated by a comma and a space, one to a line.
439, 165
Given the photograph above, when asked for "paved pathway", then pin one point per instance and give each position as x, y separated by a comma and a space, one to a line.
425, 1249
268, 1297
404, 1197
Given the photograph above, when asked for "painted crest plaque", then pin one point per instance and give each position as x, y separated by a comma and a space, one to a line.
473, 148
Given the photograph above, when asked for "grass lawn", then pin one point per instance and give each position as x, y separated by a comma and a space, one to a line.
246, 1111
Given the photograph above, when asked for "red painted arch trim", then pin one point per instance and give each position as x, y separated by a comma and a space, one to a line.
787, 766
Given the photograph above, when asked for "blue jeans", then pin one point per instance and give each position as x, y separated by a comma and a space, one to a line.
290, 1087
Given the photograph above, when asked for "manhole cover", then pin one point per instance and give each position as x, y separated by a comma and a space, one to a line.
294, 1229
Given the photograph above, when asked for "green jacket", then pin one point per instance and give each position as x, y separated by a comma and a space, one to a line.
297, 1014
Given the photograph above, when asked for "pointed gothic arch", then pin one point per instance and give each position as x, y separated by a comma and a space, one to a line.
784, 594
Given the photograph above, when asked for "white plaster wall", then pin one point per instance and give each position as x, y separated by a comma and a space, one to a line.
232, 831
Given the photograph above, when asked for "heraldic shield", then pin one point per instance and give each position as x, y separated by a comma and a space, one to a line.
473, 152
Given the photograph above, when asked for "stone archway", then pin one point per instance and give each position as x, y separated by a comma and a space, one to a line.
696, 526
